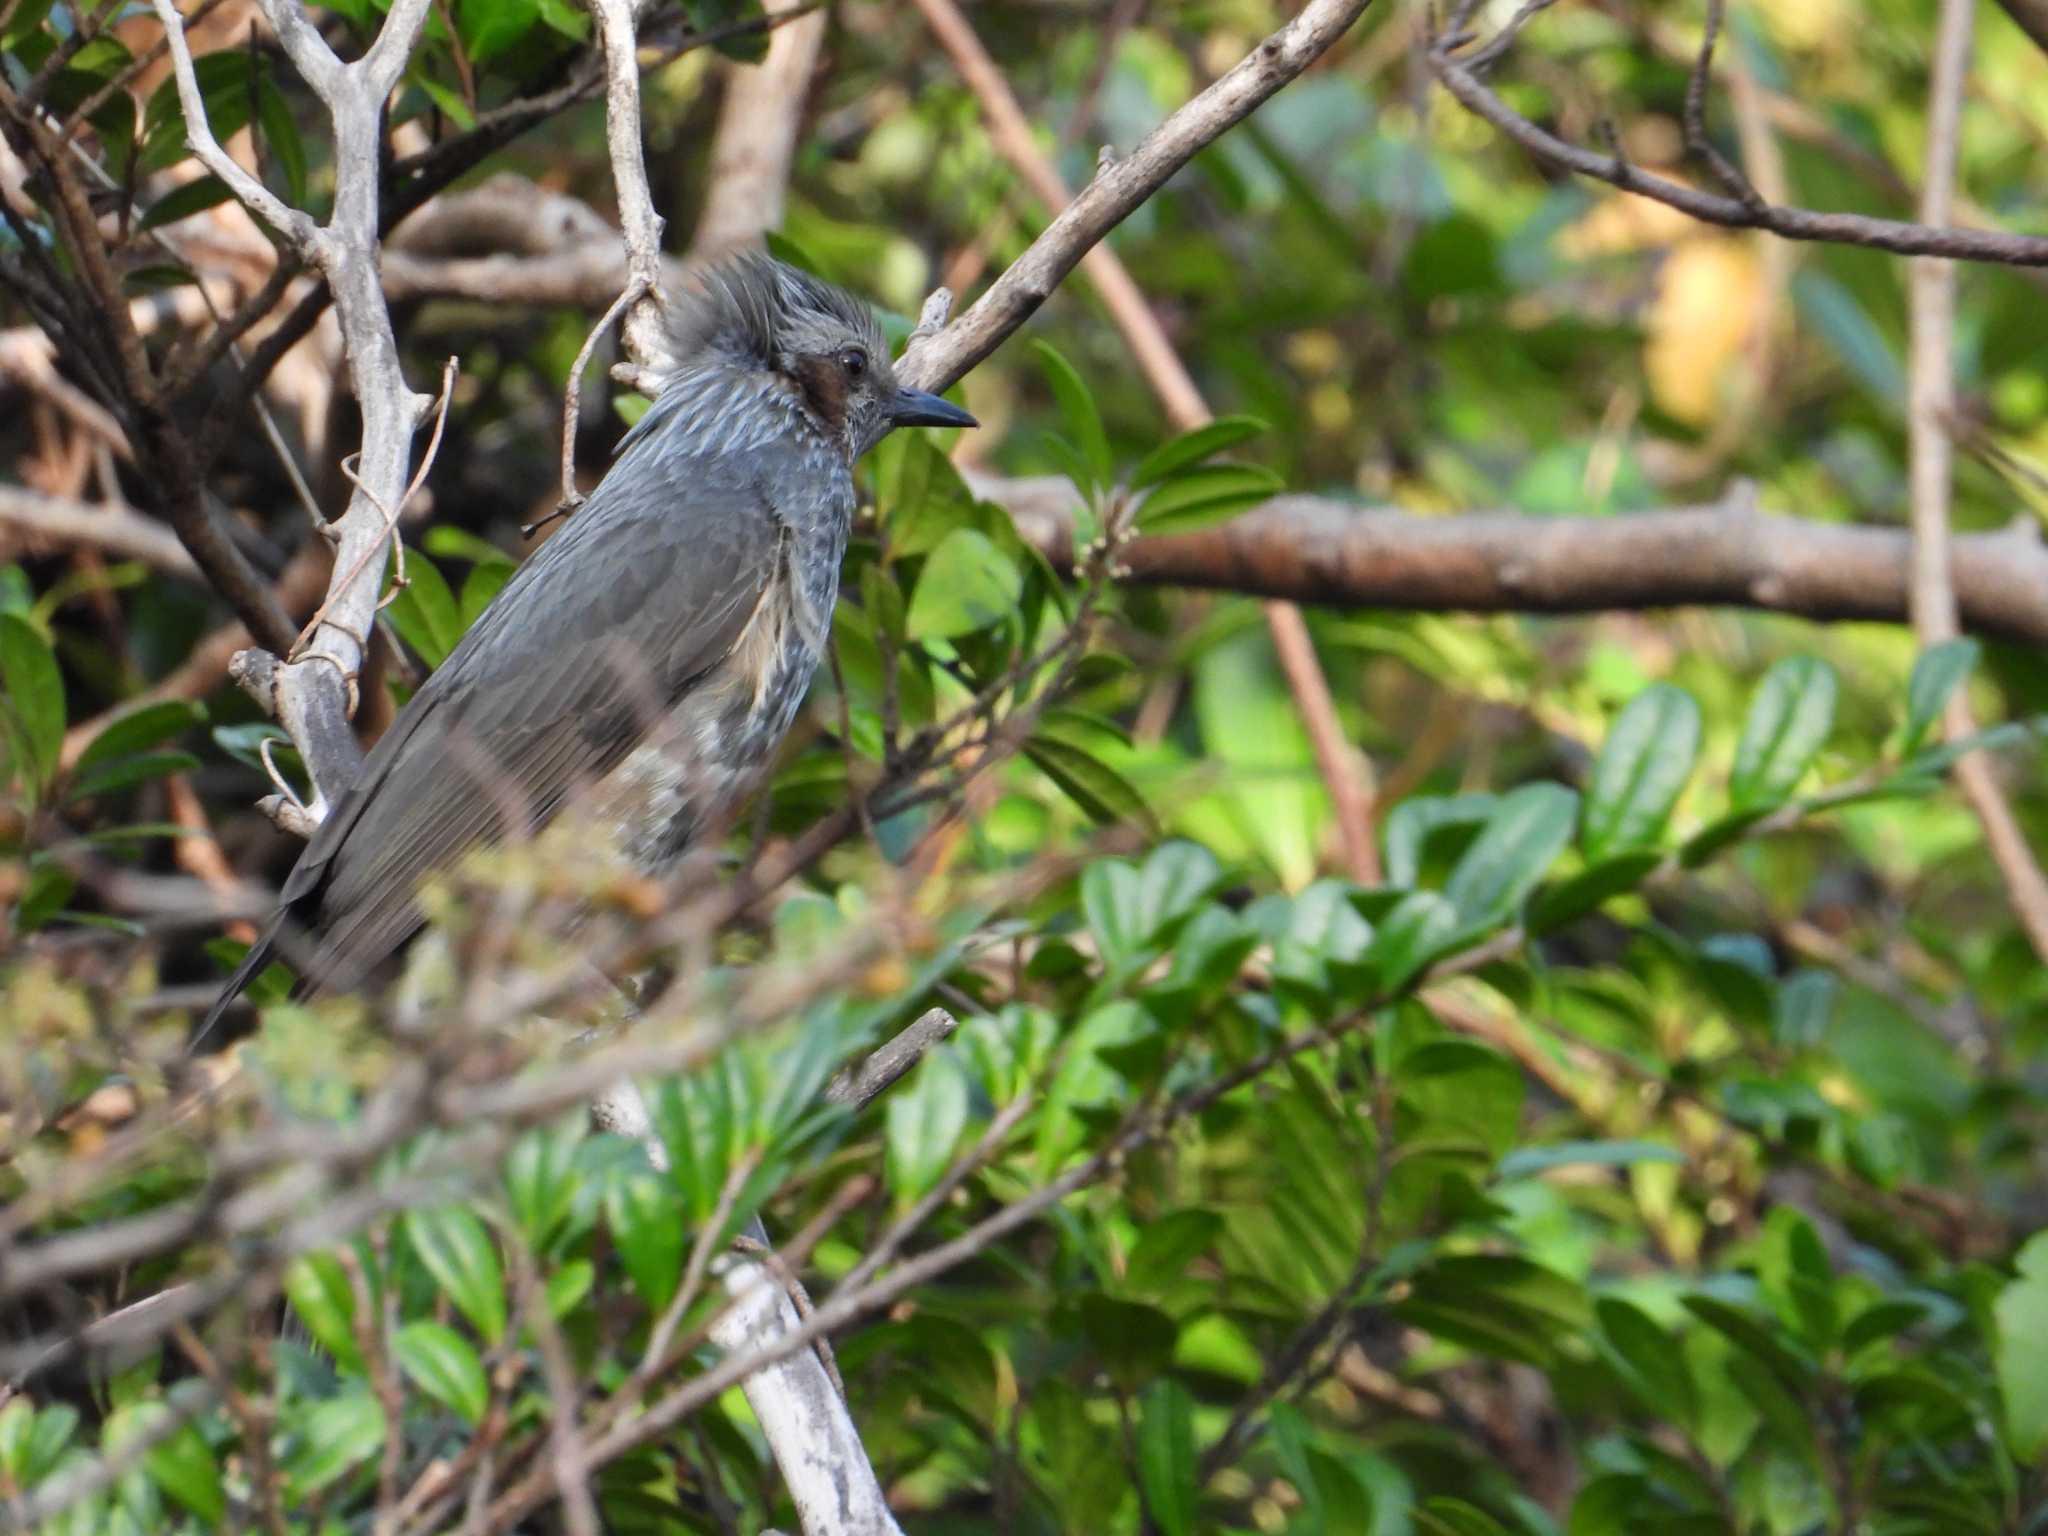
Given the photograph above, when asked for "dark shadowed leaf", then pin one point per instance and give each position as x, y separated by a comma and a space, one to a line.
1166, 1456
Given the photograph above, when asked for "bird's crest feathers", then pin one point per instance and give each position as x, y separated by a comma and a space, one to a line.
758, 310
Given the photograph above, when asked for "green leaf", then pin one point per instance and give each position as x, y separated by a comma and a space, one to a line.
184, 201
183, 1465
318, 1289
967, 584
1653, 1363
1178, 453
49, 887
141, 729
1526, 833
442, 1364
1166, 1247
329, 1439
924, 1122
126, 772
1525, 1162
1135, 1341
1939, 672
647, 1223
425, 612
1643, 766
1098, 789
2022, 1352
452, 1242
1412, 825
1442, 1516
1789, 720
490, 27
1077, 410
1206, 494
1591, 889
540, 1180
1409, 938
1166, 1457
32, 702
281, 140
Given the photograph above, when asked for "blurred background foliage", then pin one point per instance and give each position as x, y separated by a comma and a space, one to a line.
1704, 1200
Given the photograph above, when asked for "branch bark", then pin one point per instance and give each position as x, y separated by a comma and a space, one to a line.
1322, 552
1930, 411
311, 689
1463, 78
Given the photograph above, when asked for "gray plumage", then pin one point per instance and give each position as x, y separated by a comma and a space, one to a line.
650, 655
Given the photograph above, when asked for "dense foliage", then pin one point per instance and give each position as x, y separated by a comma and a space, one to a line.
1657, 1143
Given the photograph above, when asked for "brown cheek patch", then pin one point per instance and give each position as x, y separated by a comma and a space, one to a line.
824, 386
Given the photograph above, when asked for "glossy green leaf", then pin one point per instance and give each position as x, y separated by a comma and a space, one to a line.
648, 1226
331, 1438
490, 27
923, 1124
1078, 411
1527, 831
966, 584
1789, 721
458, 1252
319, 1291
1642, 770
1937, 674
1190, 448
1205, 494
184, 1466
424, 610
442, 1363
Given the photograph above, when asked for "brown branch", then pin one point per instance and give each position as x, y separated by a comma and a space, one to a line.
755, 142
1342, 766
1731, 212
1330, 553
1930, 409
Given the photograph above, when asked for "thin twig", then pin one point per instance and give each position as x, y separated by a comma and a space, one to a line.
1931, 407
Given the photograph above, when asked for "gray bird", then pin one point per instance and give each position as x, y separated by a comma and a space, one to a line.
652, 653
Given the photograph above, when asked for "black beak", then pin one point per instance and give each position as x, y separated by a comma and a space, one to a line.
915, 408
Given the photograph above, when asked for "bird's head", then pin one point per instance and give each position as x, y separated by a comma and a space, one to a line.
818, 341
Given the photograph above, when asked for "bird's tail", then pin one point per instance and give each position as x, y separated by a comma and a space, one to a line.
251, 967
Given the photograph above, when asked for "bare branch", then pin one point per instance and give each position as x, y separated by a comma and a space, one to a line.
1731, 212
289, 222
117, 530
642, 225
1321, 552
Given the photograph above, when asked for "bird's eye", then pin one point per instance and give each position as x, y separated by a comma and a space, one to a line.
854, 361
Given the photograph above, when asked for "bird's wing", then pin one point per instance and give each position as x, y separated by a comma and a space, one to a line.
585, 650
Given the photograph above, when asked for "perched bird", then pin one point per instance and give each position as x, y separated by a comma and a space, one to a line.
649, 658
